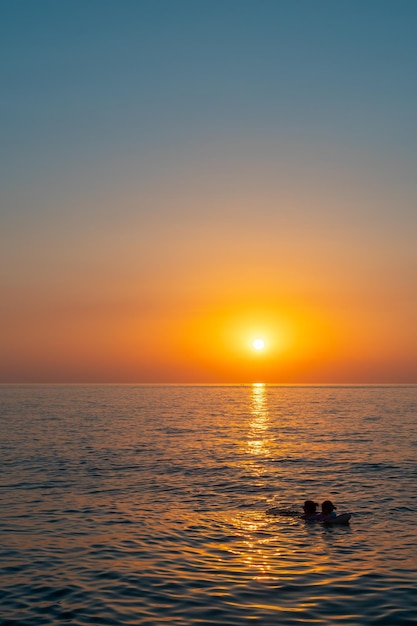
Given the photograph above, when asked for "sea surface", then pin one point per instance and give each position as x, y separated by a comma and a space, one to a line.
146, 505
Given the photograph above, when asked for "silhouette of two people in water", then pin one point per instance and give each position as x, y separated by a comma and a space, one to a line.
310, 511
327, 511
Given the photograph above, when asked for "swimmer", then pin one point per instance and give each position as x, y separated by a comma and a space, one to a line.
310, 510
327, 511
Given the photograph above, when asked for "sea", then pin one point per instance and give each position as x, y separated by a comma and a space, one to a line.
146, 505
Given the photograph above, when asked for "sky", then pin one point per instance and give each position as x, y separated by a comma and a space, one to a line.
182, 177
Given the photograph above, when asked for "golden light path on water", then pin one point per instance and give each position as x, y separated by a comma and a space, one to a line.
265, 550
258, 425
257, 550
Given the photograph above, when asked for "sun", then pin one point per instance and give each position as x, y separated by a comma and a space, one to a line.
258, 344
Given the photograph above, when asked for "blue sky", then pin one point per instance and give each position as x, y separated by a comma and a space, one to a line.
83, 78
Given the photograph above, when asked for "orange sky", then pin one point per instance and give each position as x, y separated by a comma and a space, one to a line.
180, 298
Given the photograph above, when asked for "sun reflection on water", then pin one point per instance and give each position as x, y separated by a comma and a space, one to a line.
267, 550
258, 426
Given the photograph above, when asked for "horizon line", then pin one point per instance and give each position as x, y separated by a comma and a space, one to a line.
206, 384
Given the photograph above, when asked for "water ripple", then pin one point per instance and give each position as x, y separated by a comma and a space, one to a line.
144, 506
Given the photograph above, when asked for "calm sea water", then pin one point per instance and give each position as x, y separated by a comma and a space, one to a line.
146, 505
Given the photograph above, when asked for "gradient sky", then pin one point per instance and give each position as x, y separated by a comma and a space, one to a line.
180, 177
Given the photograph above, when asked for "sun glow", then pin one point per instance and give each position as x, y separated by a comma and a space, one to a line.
258, 344
223, 345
